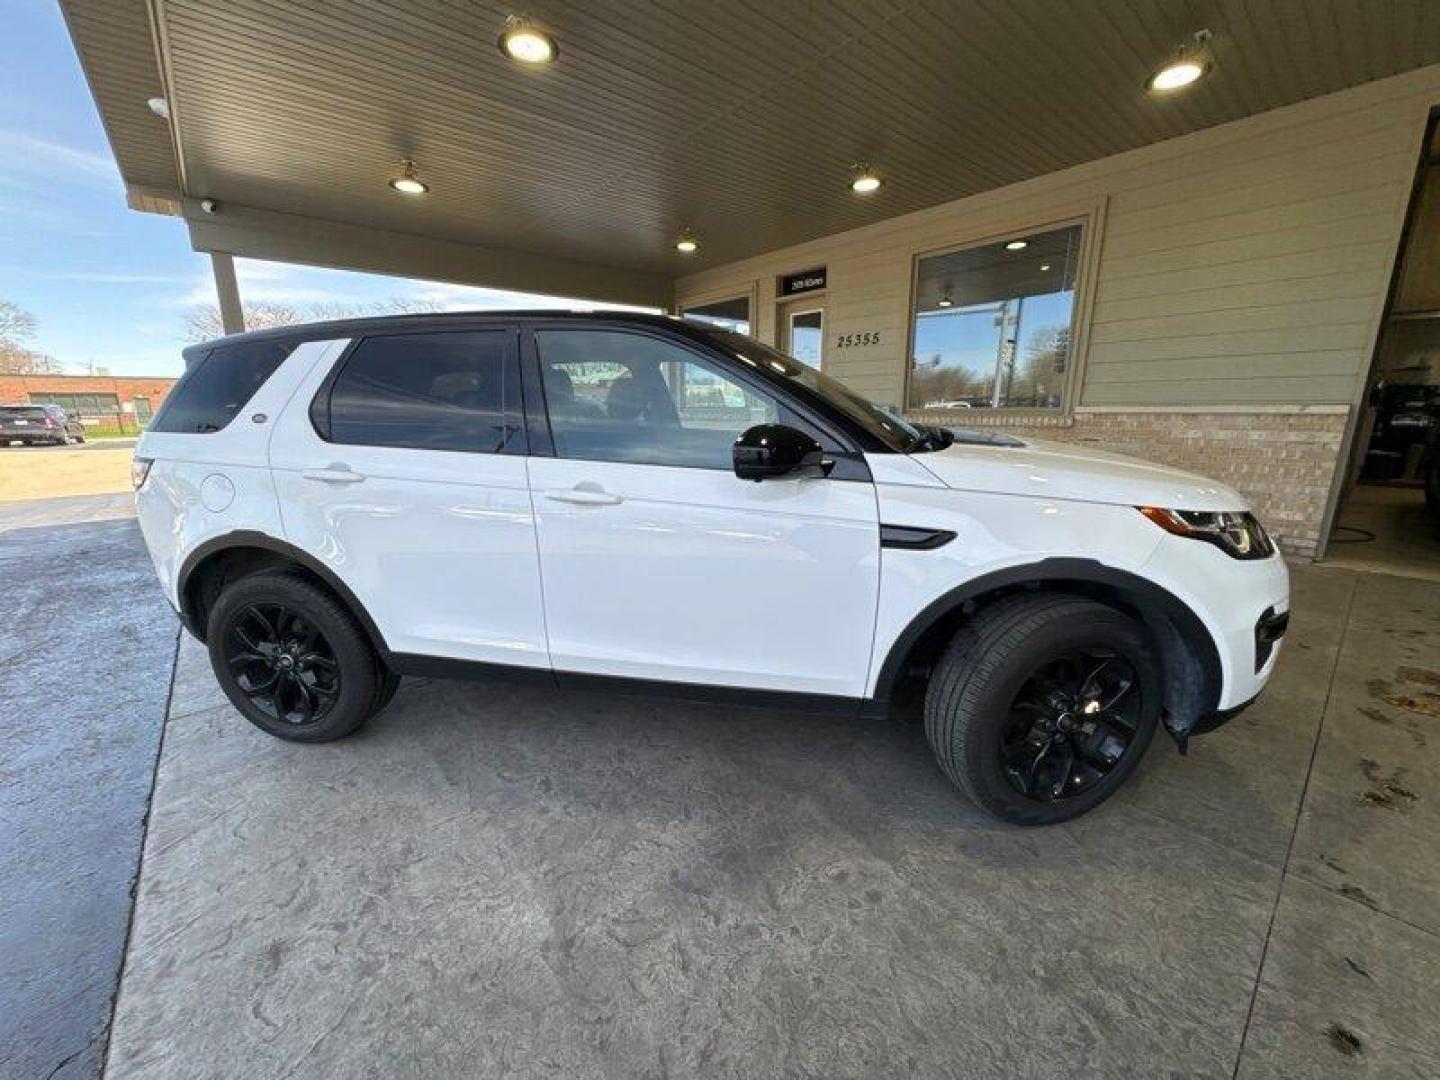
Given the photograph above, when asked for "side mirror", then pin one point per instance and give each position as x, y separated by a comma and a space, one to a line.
772, 451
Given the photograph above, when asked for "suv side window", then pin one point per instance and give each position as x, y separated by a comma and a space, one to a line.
440, 391
212, 393
617, 396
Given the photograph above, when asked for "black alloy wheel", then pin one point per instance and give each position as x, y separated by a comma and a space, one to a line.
1043, 704
293, 659
283, 664
1072, 723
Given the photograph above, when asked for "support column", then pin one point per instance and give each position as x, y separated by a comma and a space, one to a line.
227, 290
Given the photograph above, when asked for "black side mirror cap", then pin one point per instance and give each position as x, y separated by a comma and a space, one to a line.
772, 451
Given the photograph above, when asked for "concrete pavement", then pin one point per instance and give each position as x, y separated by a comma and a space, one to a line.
496, 881
86, 649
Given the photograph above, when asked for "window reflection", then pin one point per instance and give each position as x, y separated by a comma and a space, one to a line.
726, 314
992, 326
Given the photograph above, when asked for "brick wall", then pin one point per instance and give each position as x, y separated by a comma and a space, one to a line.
16, 389
1283, 461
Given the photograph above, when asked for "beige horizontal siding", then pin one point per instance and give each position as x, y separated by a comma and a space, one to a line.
1242, 265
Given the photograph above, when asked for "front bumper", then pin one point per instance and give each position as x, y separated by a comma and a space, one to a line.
1219, 718
1244, 606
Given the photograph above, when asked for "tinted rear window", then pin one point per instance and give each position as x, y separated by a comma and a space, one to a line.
211, 393
27, 411
436, 391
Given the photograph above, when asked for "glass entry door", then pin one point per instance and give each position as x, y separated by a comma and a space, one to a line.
804, 332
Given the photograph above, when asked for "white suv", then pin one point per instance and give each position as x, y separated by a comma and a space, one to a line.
640, 502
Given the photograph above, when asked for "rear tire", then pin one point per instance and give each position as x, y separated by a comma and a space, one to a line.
292, 659
1042, 705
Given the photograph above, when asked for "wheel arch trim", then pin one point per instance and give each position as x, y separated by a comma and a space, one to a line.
1144, 594
246, 538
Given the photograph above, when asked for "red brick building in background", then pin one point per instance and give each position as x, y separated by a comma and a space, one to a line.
103, 402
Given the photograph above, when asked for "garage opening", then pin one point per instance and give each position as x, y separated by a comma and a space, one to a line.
1389, 516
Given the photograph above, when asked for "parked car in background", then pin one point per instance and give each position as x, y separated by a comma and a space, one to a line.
329, 507
39, 425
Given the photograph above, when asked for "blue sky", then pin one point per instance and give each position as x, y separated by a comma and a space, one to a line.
970, 340
110, 286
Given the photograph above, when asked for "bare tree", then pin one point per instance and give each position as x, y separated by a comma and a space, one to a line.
203, 322
16, 324
15, 360
17, 329
1040, 376
395, 305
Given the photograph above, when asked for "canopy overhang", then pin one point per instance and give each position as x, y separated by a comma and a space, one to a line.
739, 122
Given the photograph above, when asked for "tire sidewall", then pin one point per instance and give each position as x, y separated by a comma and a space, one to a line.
991, 709
357, 666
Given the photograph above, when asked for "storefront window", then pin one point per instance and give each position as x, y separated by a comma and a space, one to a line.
992, 324
726, 314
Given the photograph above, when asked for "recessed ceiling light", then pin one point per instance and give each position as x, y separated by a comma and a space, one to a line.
525, 43
687, 244
1044, 267
1191, 62
864, 180
945, 301
159, 106
408, 183
1017, 245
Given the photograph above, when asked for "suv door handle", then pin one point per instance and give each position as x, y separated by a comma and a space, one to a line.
336, 474
586, 493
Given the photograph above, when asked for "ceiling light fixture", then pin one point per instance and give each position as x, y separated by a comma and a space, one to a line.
1192, 61
1044, 267
945, 301
408, 183
159, 106
1017, 245
864, 180
687, 244
525, 43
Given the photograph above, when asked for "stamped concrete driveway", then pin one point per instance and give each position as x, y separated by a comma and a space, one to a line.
86, 649
493, 881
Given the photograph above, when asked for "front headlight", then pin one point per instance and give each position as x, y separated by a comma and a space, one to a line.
1235, 532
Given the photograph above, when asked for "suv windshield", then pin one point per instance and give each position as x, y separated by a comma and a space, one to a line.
894, 431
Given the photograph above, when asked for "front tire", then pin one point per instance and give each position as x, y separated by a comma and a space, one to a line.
292, 659
1042, 705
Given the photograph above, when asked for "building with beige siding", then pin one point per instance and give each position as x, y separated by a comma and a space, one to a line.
1199, 276
1228, 290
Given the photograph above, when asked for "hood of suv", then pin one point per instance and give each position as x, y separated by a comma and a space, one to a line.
1013, 466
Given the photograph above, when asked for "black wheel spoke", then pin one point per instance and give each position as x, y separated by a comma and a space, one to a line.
304, 700
282, 662
260, 686
1032, 772
308, 639
1107, 684
1066, 757
1070, 724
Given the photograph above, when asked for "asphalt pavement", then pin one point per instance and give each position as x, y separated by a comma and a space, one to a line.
87, 646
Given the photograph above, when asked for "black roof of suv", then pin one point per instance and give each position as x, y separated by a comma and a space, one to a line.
391, 324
